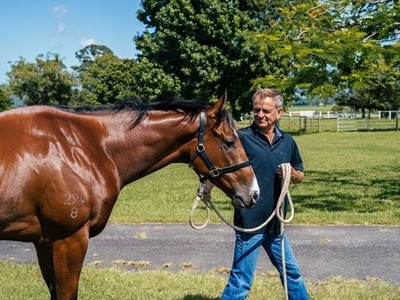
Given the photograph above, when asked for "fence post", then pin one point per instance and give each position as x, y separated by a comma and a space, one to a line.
305, 125
337, 123
319, 124
299, 124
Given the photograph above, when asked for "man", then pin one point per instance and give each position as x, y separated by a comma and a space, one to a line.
267, 147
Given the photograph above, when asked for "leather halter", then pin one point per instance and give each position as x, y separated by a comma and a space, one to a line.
213, 171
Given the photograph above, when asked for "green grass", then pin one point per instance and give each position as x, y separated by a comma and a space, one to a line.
351, 178
119, 284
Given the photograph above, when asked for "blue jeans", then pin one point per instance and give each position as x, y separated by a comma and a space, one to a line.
247, 248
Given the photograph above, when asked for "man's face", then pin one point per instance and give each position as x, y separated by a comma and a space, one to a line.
265, 113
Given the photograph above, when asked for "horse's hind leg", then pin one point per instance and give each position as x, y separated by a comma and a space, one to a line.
61, 265
68, 257
45, 257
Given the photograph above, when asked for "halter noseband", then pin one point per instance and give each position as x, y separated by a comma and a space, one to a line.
213, 171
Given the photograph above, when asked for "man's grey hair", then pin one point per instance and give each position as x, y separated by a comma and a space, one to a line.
269, 93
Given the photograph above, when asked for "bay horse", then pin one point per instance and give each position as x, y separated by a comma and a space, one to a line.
61, 171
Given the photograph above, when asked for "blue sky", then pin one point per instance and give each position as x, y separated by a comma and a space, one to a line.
29, 28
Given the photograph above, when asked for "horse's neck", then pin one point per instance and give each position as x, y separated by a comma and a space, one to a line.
157, 141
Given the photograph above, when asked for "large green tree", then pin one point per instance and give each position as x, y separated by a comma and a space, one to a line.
203, 46
45, 81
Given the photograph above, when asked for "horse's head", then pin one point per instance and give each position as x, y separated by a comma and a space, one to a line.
220, 157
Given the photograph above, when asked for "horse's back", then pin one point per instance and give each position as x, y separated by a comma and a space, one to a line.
36, 129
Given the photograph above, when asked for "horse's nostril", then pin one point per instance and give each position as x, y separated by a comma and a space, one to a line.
255, 197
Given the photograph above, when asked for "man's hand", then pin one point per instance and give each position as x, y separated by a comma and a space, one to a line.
296, 176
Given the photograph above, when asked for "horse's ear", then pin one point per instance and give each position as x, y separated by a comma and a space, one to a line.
215, 109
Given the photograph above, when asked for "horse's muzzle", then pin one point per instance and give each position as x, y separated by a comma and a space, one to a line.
254, 193
248, 197
240, 202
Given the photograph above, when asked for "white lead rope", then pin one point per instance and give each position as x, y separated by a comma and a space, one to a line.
279, 212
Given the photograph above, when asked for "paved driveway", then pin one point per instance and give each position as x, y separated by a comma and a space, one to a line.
322, 251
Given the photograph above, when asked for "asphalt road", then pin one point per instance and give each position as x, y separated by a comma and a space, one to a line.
322, 251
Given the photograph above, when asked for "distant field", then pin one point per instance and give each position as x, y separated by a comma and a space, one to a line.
351, 178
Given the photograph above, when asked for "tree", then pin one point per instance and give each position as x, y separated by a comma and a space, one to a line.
337, 49
294, 42
151, 81
46, 81
5, 102
89, 54
375, 79
105, 80
202, 46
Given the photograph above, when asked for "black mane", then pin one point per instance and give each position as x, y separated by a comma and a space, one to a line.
188, 108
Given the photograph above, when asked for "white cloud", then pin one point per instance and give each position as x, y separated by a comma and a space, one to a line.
59, 11
61, 28
87, 42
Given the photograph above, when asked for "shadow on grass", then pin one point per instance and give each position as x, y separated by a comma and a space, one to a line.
341, 191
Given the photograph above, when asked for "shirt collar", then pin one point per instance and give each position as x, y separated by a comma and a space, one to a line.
278, 133
256, 130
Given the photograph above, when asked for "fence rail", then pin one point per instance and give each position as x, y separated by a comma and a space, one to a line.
369, 124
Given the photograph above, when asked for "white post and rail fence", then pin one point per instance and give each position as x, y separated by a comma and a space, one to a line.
308, 121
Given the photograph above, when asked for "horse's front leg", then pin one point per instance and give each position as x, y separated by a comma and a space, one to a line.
68, 257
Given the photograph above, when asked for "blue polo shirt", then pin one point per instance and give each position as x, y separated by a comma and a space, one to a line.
265, 159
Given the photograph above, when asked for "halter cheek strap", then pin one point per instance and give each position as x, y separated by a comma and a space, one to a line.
213, 171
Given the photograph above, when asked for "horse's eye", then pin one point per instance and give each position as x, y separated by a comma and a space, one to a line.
229, 144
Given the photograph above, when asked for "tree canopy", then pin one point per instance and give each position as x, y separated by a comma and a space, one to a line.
5, 103
347, 51
104, 78
44, 82
203, 45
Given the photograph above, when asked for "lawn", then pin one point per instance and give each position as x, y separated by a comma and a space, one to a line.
24, 282
351, 178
